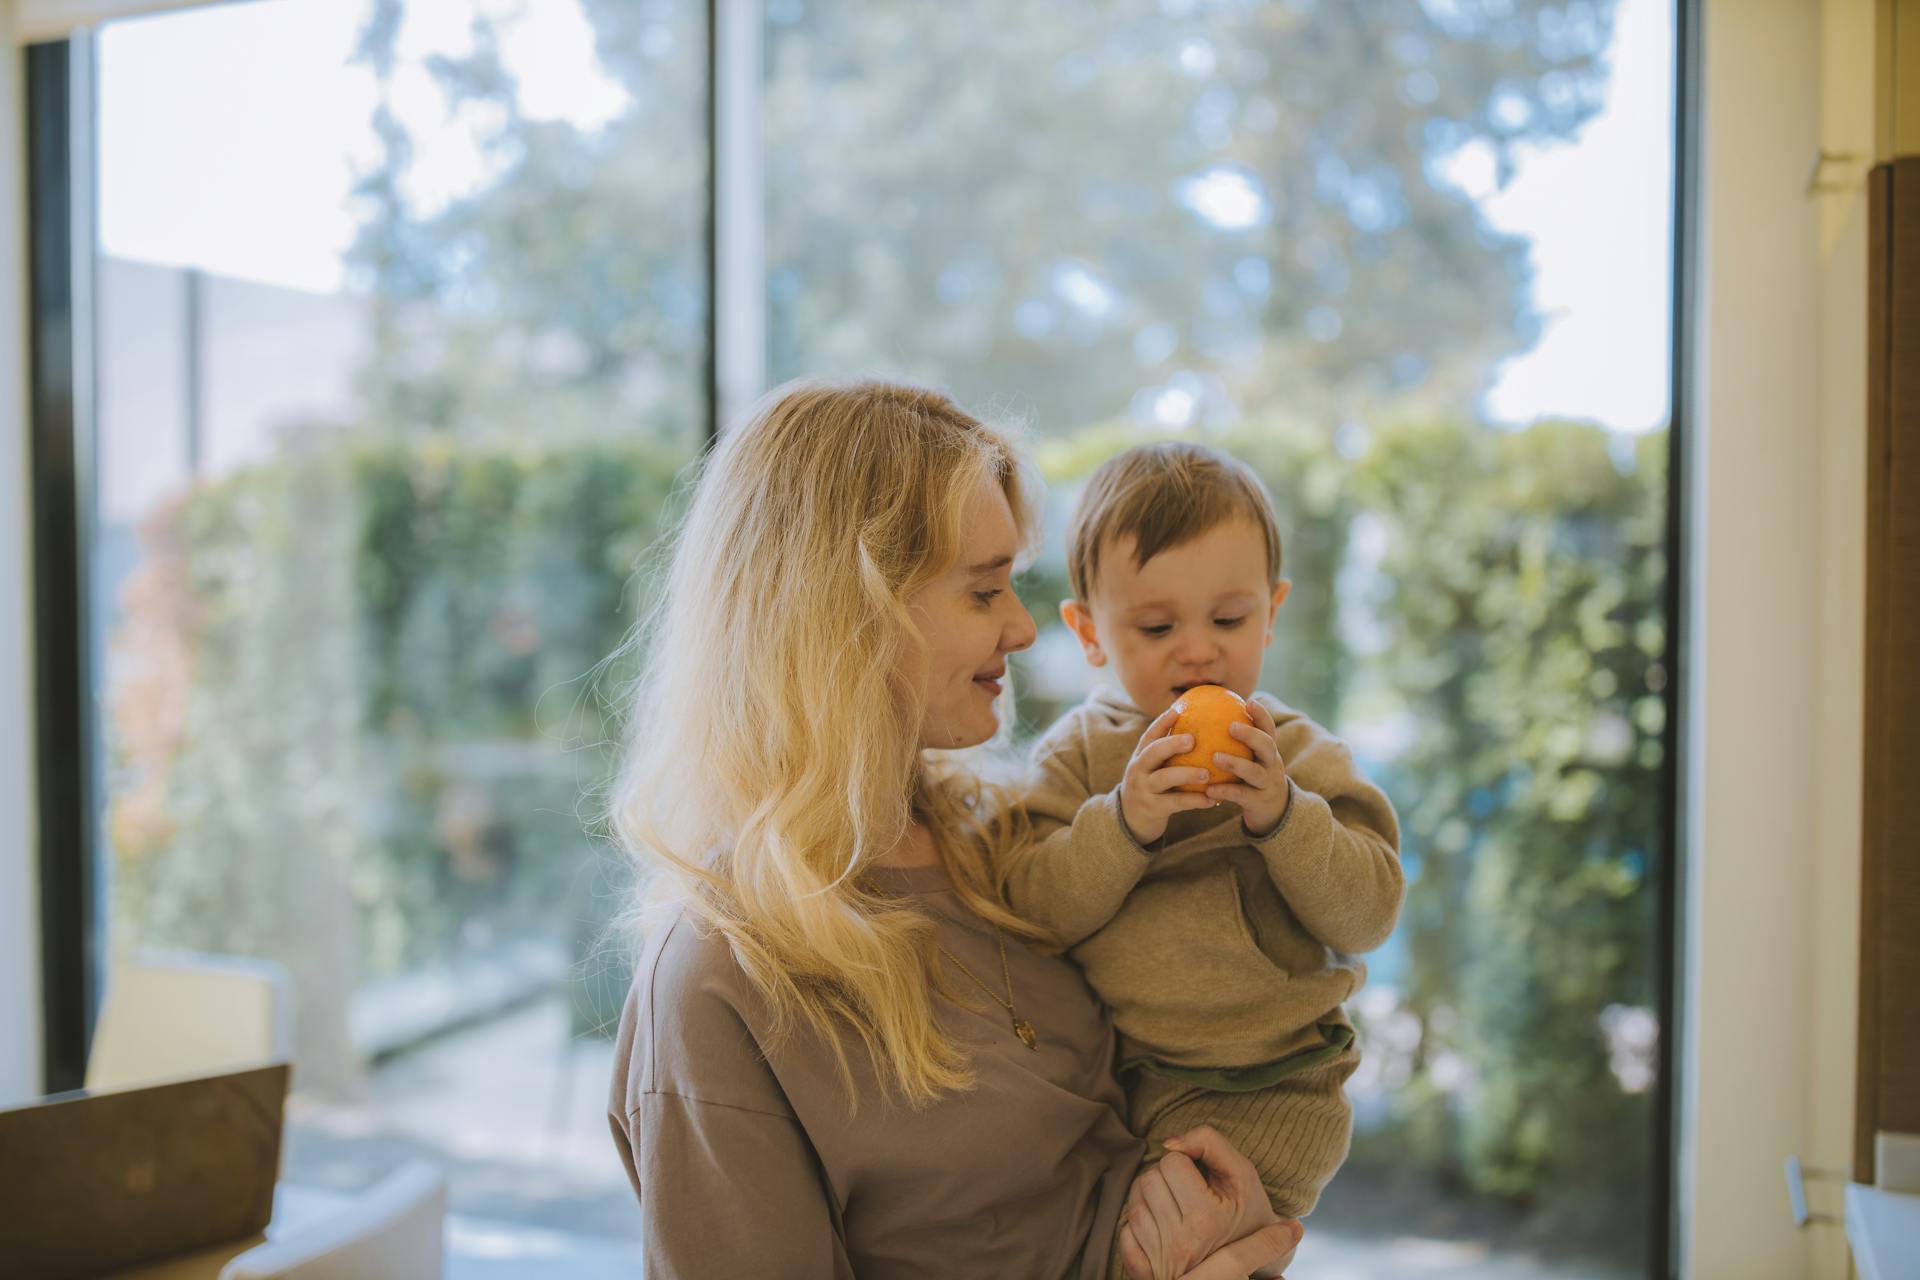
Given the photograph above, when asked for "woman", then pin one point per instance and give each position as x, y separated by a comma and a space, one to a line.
841, 1055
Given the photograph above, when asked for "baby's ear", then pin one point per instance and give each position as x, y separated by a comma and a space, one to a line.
1079, 620
1280, 592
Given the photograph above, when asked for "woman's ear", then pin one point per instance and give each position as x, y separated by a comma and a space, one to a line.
1080, 622
1280, 590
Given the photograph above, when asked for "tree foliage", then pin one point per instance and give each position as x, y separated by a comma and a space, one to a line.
1057, 209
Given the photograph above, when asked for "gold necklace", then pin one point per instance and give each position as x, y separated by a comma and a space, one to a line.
1021, 1027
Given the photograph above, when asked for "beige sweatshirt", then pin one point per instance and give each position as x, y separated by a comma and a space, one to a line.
747, 1163
1212, 949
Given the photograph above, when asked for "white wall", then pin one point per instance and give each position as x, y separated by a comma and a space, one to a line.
19, 894
1847, 126
1839, 602
1777, 666
269, 358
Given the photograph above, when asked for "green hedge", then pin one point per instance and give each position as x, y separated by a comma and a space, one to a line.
355, 728
1522, 588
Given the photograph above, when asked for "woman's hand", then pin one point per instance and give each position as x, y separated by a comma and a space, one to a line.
1264, 1255
1202, 1213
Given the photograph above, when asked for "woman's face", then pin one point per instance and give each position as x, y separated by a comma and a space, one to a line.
971, 621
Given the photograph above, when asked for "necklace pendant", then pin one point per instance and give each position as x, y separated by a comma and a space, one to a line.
1024, 1029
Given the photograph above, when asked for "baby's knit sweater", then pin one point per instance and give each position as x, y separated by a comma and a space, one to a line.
1211, 948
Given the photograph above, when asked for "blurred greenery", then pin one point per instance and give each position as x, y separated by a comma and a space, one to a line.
358, 721
419, 616
1059, 208
1070, 212
1519, 599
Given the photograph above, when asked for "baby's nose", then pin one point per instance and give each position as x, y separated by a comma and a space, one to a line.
1195, 649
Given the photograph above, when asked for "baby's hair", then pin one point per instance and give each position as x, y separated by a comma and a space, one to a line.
1164, 495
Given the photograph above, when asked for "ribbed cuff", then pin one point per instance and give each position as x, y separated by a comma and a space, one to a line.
1120, 816
1278, 827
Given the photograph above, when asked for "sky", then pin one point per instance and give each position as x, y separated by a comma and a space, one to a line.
263, 193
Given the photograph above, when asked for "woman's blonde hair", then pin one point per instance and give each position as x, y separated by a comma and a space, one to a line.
772, 749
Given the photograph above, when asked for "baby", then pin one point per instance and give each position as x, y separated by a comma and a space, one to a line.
1221, 929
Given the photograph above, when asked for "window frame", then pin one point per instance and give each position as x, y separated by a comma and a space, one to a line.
60, 185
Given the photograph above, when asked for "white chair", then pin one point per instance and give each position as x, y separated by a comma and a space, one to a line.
169, 1015
395, 1230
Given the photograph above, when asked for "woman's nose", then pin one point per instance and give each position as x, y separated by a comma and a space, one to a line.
1020, 631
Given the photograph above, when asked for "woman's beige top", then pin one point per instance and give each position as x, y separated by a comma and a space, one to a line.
748, 1164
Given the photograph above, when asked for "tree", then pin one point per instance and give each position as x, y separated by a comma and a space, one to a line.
566, 296
1051, 208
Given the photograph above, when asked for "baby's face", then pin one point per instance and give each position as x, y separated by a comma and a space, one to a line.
1199, 613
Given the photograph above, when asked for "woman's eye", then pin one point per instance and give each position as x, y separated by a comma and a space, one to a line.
1228, 622
987, 597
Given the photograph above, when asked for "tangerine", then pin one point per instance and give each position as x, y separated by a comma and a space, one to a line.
1205, 711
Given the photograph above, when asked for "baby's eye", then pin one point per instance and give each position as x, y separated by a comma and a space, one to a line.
987, 597
1228, 622
1158, 630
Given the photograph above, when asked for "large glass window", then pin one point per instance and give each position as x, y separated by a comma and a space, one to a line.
403, 337
1410, 260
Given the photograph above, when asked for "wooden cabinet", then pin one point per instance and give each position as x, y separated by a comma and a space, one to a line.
1888, 1073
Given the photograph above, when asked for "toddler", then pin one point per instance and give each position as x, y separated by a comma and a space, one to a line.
1221, 929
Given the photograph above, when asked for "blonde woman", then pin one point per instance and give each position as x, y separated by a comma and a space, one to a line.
842, 1054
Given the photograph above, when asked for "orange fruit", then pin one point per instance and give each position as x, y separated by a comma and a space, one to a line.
1205, 711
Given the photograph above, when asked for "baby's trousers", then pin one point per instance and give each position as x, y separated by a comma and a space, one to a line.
1296, 1132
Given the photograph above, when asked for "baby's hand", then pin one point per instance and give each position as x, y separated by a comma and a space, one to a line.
1262, 790
1147, 795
